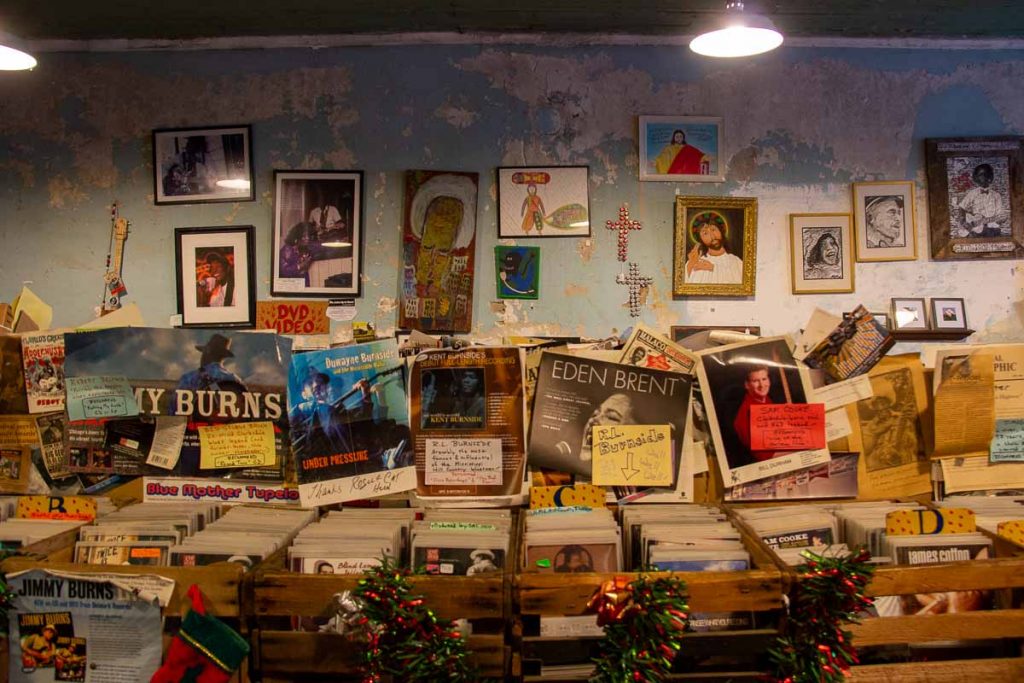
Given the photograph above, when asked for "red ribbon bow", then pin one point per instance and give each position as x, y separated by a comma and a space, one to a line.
613, 601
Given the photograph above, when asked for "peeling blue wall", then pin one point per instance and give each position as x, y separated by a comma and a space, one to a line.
800, 125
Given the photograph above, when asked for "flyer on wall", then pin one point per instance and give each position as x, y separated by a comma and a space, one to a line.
211, 377
43, 356
466, 415
349, 423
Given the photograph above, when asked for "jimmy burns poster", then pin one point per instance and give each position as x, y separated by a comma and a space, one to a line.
211, 377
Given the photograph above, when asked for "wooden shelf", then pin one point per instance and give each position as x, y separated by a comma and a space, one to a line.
931, 335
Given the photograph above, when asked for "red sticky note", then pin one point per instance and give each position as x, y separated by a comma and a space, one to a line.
787, 426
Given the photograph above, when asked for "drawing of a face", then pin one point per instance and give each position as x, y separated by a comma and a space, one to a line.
678, 138
440, 227
886, 218
829, 250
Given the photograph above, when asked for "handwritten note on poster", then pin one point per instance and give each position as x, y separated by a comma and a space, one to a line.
452, 462
787, 426
18, 430
293, 317
241, 444
632, 455
1008, 442
97, 396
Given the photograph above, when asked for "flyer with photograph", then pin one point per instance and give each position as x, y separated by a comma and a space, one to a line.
735, 378
42, 354
349, 423
210, 377
466, 415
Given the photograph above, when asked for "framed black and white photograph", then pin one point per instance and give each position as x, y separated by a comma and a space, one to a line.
317, 243
909, 314
975, 197
216, 276
544, 201
200, 165
884, 219
948, 314
821, 253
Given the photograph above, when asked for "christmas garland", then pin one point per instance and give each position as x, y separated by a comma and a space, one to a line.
644, 620
404, 640
829, 594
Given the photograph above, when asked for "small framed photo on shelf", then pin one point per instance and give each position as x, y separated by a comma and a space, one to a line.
544, 201
202, 165
909, 314
317, 243
975, 197
882, 318
948, 314
681, 149
216, 276
821, 253
884, 218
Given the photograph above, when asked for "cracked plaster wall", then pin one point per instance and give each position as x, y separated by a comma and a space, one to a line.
800, 125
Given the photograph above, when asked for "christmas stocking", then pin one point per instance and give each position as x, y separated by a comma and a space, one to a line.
205, 650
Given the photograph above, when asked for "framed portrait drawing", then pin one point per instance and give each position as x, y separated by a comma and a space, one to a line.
976, 197
681, 149
884, 218
199, 165
317, 244
909, 314
715, 251
216, 276
517, 271
948, 314
821, 258
544, 201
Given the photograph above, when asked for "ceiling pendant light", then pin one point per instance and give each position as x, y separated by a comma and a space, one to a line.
737, 34
11, 58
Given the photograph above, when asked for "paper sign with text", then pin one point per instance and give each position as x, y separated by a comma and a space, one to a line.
843, 393
632, 455
929, 522
18, 430
56, 507
95, 397
240, 444
1008, 441
787, 426
581, 495
167, 441
452, 462
293, 317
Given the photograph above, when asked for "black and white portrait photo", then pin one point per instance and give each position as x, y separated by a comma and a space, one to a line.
822, 253
193, 166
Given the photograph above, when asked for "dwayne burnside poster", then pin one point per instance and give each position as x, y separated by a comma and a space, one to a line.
349, 423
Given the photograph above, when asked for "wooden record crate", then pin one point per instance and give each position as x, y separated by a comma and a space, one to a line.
220, 583
1002, 628
759, 590
275, 595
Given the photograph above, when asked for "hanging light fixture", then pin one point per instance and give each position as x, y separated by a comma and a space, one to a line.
737, 34
11, 57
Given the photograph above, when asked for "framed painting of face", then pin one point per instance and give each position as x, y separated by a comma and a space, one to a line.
975, 198
820, 254
715, 246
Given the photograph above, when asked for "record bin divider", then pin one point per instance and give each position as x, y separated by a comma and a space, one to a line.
1004, 574
274, 595
221, 584
760, 590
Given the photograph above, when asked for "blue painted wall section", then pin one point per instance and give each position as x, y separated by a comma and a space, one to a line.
800, 125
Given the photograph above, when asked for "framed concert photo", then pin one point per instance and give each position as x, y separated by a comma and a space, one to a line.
976, 197
715, 250
202, 165
317, 244
216, 276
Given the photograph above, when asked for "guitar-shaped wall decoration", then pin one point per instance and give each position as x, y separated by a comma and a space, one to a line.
114, 287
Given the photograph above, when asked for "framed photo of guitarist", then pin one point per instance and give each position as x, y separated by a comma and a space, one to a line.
202, 165
216, 276
976, 197
317, 243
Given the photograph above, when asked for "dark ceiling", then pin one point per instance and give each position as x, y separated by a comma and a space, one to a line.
187, 19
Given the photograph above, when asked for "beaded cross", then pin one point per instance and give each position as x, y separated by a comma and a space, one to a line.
623, 225
636, 282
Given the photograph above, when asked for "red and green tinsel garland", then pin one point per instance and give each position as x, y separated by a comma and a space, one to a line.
404, 640
644, 620
814, 647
